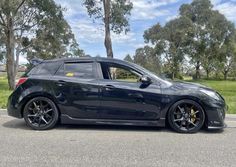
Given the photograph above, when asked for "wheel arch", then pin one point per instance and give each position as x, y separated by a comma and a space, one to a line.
37, 94
196, 100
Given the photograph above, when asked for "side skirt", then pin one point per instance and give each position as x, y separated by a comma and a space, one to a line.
65, 119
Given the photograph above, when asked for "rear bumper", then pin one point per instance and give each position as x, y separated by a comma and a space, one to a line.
12, 108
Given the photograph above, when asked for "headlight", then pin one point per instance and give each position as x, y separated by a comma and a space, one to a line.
210, 93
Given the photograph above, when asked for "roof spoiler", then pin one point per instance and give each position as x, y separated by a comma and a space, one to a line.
36, 61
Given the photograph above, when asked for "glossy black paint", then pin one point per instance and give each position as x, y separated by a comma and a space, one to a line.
103, 101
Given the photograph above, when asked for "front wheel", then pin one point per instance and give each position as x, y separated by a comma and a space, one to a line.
186, 116
40, 113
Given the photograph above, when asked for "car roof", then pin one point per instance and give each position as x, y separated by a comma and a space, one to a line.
76, 59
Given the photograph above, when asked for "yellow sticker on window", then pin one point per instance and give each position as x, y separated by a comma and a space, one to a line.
70, 74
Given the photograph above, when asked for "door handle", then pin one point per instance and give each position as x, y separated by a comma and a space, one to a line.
60, 83
136, 95
109, 87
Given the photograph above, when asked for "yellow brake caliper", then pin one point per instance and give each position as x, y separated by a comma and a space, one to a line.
193, 116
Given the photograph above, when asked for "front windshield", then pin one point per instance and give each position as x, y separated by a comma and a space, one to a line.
151, 74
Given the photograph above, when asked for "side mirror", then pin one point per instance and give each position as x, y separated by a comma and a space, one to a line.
145, 80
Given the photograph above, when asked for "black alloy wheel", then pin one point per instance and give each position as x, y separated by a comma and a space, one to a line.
40, 113
186, 116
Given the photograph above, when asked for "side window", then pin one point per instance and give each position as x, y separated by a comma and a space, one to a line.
120, 73
79, 70
46, 68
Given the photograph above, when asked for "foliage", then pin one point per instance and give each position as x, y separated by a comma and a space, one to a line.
170, 40
53, 36
148, 58
4, 92
113, 13
37, 27
119, 10
122, 74
211, 32
200, 35
225, 88
128, 58
2, 56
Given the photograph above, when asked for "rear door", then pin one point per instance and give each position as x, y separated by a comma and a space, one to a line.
77, 89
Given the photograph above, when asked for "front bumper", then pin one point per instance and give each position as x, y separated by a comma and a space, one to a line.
216, 116
217, 127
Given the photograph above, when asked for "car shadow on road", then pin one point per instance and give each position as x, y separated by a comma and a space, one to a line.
16, 124
20, 124
113, 128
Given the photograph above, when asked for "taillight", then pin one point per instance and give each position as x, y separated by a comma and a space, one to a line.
21, 81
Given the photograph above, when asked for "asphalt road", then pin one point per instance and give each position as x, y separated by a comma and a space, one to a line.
114, 146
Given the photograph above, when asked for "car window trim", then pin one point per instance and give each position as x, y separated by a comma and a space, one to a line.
27, 73
77, 62
101, 77
61, 63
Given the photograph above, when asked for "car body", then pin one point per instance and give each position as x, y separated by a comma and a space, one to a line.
89, 90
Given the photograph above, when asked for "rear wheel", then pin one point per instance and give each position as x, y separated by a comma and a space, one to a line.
186, 116
40, 113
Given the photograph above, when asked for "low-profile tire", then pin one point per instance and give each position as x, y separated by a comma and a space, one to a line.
186, 116
40, 113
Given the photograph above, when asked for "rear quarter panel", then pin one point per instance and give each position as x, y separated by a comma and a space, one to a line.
33, 87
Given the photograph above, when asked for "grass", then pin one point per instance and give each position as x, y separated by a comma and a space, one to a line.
4, 92
225, 88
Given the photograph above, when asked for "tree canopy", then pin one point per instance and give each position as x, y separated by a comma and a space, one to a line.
114, 14
201, 34
35, 27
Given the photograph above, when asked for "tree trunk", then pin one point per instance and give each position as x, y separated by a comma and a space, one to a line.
225, 75
173, 75
10, 44
198, 70
207, 72
16, 65
107, 42
216, 74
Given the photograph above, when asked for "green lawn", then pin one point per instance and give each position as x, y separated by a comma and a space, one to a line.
226, 88
4, 92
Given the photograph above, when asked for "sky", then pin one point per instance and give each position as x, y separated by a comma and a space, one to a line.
145, 13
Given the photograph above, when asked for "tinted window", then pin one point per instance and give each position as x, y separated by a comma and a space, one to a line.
46, 68
79, 70
119, 72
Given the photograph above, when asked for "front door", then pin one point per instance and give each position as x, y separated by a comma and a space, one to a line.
124, 97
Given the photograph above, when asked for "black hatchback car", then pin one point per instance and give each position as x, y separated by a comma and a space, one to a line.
110, 91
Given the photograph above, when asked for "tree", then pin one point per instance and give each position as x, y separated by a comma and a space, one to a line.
128, 58
2, 52
20, 21
170, 41
148, 58
210, 31
113, 14
227, 59
2, 56
53, 40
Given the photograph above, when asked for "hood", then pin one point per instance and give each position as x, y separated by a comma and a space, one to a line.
182, 86
189, 85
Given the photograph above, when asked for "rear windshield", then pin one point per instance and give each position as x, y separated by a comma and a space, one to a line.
45, 68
